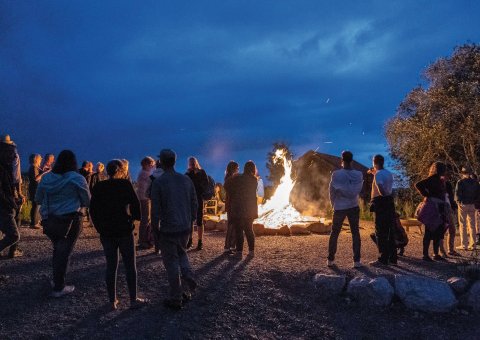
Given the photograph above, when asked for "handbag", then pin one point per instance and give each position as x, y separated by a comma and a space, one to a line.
57, 227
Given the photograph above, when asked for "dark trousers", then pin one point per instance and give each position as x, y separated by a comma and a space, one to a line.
384, 207
126, 246
175, 260
18, 220
434, 236
145, 237
353, 216
8, 226
241, 226
230, 236
62, 249
34, 213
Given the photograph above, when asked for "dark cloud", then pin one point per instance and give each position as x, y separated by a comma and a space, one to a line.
220, 80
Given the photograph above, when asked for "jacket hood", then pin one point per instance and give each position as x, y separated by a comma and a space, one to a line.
54, 183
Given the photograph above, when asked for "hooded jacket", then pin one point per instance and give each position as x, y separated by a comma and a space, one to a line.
344, 188
61, 194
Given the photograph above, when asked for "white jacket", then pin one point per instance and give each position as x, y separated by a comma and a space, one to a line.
344, 188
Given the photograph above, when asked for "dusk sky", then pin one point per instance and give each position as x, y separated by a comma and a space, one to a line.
219, 80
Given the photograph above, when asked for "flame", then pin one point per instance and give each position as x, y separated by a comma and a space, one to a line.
277, 211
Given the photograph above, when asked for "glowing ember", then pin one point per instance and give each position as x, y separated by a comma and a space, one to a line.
277, 211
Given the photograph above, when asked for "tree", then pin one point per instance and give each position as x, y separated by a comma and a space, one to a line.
275, 168
442, 121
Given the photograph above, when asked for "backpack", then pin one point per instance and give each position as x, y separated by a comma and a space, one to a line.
209, 190
401, 237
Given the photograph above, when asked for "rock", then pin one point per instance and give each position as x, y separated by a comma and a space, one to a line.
222, 226
319, 228
284, 231
210, 225
258, 229
473, 297
424, 294
371, 292
270, 231
458, 284
299, 229
329, 285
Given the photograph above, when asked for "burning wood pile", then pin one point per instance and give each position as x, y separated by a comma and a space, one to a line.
277, 216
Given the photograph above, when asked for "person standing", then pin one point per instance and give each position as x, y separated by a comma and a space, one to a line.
35, 174
242, 199
155, 174
113, 208
453, 218
200, 181
98, 176
10, 194
145, 238
344, 189
62, 193
433, 189
231, 171
467, 192
48, 162
384, 209
174, 208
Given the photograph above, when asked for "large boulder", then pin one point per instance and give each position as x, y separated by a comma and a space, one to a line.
371, 292
222, 225
258, 229
458, 284
299, 229
319, 228
424, 294
329, 285
473, 297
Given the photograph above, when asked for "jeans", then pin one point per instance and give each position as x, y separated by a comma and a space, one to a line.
111, 248
240, 226
353, 216
34, 214
230, 237
8, 226
385, 228
62, 249
145, 237
175, 260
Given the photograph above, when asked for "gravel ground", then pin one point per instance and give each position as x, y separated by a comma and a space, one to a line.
270, 296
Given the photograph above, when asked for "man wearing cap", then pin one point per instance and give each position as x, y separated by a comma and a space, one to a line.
10, 194
467, 193
174, 207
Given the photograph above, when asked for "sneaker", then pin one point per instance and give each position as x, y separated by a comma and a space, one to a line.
138, 303
427, 258
357, 264
251, 254
454, 253
173, 304
16, 253
36, 226
330, 263
439, 258
65, 291
378, 263
461, 248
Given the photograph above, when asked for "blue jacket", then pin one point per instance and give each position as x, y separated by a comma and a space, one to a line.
62, 194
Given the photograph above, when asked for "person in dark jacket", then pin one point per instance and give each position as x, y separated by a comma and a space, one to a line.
467, 192
174, 208
113, 208
433, 188
231, 171
242, 195
200, 181
99, 175
35, 174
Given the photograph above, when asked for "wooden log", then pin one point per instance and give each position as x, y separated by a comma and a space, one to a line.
299, 229
258, 229
222, 226
284, 231
319, 228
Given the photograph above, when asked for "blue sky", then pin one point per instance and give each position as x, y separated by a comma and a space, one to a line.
219, 80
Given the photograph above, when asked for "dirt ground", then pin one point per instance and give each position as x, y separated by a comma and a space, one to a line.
270, 296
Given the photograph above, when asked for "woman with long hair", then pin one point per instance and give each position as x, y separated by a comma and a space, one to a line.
200, 181
232, 170
61, 194
35, 174
433, 189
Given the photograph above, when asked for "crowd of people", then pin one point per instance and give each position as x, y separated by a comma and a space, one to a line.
168, 205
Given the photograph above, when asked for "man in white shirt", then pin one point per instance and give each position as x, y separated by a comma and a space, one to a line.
384, 208
345, 186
